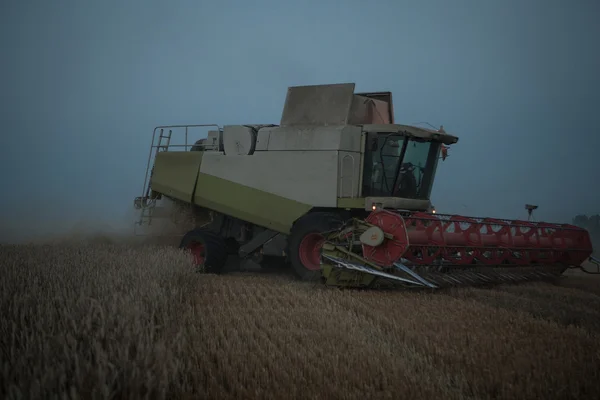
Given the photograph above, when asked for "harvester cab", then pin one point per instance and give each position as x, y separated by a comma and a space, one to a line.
342, 192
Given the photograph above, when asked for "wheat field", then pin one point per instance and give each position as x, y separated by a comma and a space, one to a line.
104, 320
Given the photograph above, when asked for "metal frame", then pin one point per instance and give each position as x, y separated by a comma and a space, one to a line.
341, 263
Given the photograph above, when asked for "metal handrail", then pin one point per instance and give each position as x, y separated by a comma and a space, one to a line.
158, 145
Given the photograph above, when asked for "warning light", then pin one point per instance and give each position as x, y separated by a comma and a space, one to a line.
375, 206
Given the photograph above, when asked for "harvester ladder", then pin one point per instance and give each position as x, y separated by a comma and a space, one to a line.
164, 139
160, 146
161, 141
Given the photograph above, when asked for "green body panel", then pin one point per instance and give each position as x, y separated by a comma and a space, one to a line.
344, 278
175, 174
335, 276
346, 202
248, 204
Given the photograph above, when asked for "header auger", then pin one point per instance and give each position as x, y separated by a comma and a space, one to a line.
342, 193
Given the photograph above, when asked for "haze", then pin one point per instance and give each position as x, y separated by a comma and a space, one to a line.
84, 84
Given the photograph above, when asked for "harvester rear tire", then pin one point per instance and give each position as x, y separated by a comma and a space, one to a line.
308, 229
215, 248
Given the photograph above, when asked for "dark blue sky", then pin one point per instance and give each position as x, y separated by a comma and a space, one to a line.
84, 83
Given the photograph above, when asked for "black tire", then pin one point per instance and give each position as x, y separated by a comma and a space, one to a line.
215, 249
312, 223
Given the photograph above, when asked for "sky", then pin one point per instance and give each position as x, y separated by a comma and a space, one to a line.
84, 83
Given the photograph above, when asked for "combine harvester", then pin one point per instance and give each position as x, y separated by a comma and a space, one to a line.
343, 192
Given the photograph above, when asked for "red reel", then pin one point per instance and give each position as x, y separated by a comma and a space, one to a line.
391, 250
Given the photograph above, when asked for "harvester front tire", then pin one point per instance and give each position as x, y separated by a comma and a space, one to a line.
214, 248
306, 234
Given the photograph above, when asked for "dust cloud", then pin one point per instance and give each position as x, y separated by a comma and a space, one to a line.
169, 222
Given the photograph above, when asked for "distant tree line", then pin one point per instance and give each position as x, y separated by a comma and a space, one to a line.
592, 223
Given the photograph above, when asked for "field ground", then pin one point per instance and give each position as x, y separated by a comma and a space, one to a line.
110, 321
